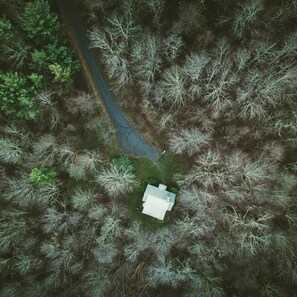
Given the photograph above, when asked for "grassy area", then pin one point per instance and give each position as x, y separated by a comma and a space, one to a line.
112, 150
147, 172
168, 166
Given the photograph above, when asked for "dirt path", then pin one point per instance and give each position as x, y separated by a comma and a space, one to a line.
129, 140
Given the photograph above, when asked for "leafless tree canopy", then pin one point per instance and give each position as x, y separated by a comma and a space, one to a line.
213, 84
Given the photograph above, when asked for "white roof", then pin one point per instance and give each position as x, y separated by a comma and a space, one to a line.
157, 201
162, 187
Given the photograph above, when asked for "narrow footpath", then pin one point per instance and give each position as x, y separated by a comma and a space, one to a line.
129, 140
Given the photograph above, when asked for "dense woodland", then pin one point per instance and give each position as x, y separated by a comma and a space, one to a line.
212, 82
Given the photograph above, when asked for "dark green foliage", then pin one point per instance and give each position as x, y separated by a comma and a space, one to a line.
173, 189
40, 60
125, 162
150, 180
39, 22
7, 33
55, 61
61, 75
50, 54
42, 176
17, 94
51, 57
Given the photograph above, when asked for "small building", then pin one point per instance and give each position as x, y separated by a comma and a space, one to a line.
157, 201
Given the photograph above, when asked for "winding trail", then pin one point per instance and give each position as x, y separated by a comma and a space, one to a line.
129, 140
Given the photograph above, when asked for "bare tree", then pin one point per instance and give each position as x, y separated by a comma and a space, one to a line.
96, 281
13, 228
100, 39
83, 199
193, 68
114, 54
10, 151
45, 150
242, 58
64, 262
164, 273
194, 65
196, 199
110, 230
45, 99
85, 163
189, 141
192, 228
139, 241
163, 241
207, 171
146, 61
191, 18
26, 263
246, 17
250, 229
172, 46
250, 108
105, 252
208, 286
172, 86
123, 28
97, 212
219, 82
116, 179
83, 103
26, 194
17, 53
156, 7
113, 42
59, 222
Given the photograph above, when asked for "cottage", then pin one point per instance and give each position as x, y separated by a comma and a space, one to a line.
157, 201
